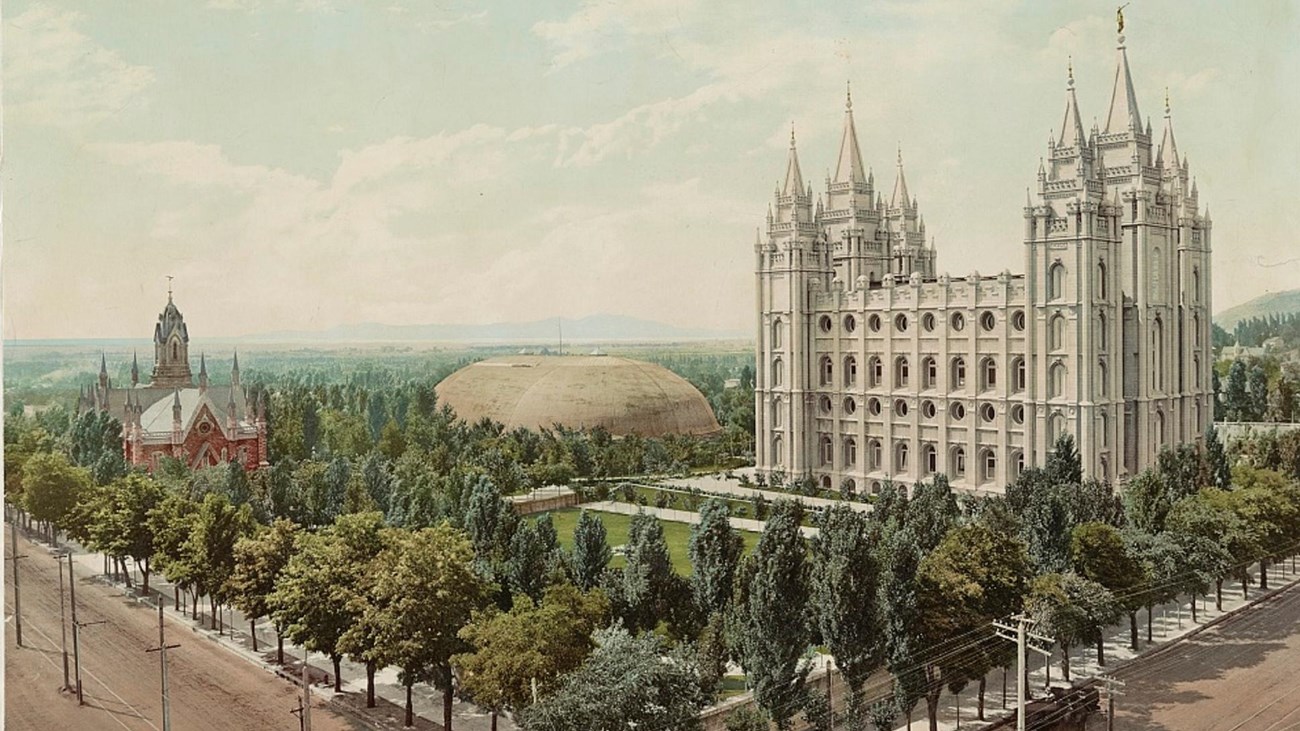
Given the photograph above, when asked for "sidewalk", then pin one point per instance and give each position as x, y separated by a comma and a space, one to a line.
426, 700
682, 516
720, 485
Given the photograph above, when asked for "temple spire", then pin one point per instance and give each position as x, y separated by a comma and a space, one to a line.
793, 177
1123, 113
900, 199
1168, 148
1072, 126
849, 167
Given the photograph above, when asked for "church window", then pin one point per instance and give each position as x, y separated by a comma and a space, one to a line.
1056, 333
927, 322
850, 371
826, 370
988, 321
957, 411
850, 452
1103, 377
900, 407
1160, 430
777, 453
1157, 355
1196, 330
902, 372
176, 350
824, 322
929, 459
900, 323
1018, 374
1196, 284
874, 453
1055, 428
873, 406
876, 370
1196, 370
824, 403
930, 372
827, 451
1018, 459
900, 458
988, 413
873, 322
1056, 380
990, 465
958, 373
776, 372
1018, 320
957, 461
958, 321
1101, 279
850, 323
776, 413
1018, 413
988, 374
1056, 281
928, 410
1101, 332
1104, 427
777, 333
850, 406
826, 482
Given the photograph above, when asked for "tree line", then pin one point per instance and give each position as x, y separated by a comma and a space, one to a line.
1258, 389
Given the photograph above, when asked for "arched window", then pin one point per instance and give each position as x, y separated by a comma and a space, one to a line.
850, 452
929, 372
1157, 265
826, 482
1103, 376
1056, 333
1056, 380
827, 451
957, 376
1196, 284
957, 461
777, 453
1196, 370
1018, 375
778, 334
1160, 430
850, 371
826, 370
1101, 279
874, 456
900, 458
929, 459
176, 350
989, 465
1196, 329
1101, 332
902, 373
776, 412
1018, 460
876, 372
1055, 428
776, 372
988, 374
1157, 355
1103, 424
1056, 281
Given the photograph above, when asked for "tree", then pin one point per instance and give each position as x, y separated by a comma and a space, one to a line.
1236, 398
259, 560
1147, 501
526, 650
170, 522
769, 614
1257, 385
714, 549
843, 592
210, 549
51, 486
1216, 460
1070, 609
591, 553
648, 575
1271, 505
135, 496
1099, 554
1064, 467
1211, 514
1216, 386
426, 589
932, 511
525, 568
900, 560
627, 682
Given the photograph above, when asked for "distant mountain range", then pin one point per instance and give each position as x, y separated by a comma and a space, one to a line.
1273, 303
597, 328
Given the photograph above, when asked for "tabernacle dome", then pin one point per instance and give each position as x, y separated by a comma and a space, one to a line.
580, 392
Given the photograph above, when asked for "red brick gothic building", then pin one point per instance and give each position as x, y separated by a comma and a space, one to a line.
201, 425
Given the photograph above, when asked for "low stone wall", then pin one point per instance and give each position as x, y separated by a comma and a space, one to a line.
544, 499
1238, 429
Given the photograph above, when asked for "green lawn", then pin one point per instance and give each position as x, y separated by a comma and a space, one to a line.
676, 534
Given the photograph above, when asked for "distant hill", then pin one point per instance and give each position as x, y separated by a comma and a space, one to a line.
599, 328
1273, 303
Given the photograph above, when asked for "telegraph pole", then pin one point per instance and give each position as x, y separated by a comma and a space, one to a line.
306, 693
1111, 692
1021, 635
63, 627
13, 556
76, 634
162, 649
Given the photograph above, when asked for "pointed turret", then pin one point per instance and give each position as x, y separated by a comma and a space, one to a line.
1072, 126
234, 371
176, 409
203, 372
1123, 114
793, 177
849, 169
1168, 148
900, 199
135, 369
103, 370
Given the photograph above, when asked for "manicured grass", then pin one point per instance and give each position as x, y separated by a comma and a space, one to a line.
676, 535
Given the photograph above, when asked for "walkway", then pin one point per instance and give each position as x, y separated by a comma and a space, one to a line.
681, 516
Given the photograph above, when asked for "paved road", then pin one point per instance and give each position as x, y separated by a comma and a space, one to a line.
1238, 675
211, 688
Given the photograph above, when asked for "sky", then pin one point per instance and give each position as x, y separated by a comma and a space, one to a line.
300, 164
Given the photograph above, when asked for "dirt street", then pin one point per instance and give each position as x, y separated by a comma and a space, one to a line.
1239, 675
210, 687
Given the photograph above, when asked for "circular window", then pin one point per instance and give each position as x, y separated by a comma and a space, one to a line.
1018, 414
1018, 320
928, 410
958, 322
873, 322
927, 322
824, 323
205, 427
957, 411
987, 412
850, 406
825, 403
900, 323
873, 406
988, 321
900, 407
850, 323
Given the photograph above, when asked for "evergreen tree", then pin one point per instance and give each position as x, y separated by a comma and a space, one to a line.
844, 589
648, 574
1236, 397
1220, 413
525, 569
1217, 460
900, 560
1063, 464
591, 552
714, 550
1257, 385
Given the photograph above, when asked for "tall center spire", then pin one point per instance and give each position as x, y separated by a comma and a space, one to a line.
849, 169
1123, 114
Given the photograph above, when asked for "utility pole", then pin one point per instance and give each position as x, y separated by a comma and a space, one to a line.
298, 712
306, 693
76, 630
1021, 635
13, 556
63, 627
162, 649
1110, 692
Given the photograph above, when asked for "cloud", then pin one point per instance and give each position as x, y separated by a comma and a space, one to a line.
602, 25
57, 75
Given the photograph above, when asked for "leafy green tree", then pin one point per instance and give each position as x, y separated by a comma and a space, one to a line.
51, 486
1071, 610
932, 511
1257, 386
1147, 501
1236, 396
1220, 474
134, 497
425, 592
1064, 467
591, 552
259, 561
900, 561
1271, 504
1210, 514
648, 575
171, 522
525, 569
844, 590
529, 648
770, 629
1099, 554
627, 682
1216, 387
714, 549
1181, 467
1164, 570
210, 549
